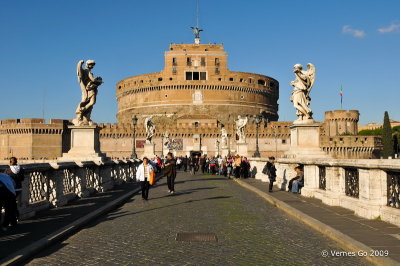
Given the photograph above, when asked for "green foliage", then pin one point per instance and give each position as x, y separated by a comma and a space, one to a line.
371, 132
387, 139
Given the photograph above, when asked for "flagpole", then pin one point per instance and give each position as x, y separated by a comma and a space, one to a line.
341, 97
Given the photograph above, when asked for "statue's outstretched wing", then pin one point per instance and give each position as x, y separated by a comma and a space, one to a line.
79, 70
311, 75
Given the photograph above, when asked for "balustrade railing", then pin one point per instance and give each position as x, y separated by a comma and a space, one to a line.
352, 182
393, 189
322, 177
369, 187
47, 185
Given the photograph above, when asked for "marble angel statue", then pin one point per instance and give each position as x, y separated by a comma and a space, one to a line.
89, 85
302, 86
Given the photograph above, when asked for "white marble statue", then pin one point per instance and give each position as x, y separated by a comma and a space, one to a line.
217, 142
150, 128
224, 137
89, 85
240, 125
301, 91
167, 141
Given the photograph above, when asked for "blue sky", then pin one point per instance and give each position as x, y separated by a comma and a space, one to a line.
351, 43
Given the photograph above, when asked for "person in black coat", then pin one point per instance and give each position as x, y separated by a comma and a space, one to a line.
16, 172
270, 171
170, 172
7, 201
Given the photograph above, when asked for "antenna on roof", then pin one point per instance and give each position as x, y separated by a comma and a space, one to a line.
196, 30
197, 13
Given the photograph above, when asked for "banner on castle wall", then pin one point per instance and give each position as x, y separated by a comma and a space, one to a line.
176, 144
140, 143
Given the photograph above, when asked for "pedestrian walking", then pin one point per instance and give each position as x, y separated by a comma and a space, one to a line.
237, 165
270, 171
185, 162
7, 201
143, 174
16, 172
170, 172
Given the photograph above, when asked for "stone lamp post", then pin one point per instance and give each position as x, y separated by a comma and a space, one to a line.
134, 123
258, 120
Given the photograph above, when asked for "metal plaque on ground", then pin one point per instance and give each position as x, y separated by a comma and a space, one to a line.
196, 237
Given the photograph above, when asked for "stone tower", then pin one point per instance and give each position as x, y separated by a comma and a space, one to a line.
341, 122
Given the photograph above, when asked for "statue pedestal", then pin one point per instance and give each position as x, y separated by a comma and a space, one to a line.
149, 150
224, 151
241, 149
85, 145
305, 140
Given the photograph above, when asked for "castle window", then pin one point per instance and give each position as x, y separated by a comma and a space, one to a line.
174, 62
159, 79
230, 79
217, 62
284, 141
261, 82
141, 81
119, 87
188, 61
241, 80
216, 71
203, 61
242, 97
250, 80
196, 75
174, 70
196, 124
166, 95
170, 78
219, 79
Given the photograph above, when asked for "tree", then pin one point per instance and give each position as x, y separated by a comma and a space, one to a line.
387, 139
396, 144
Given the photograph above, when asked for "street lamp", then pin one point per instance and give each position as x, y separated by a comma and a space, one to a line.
258, 120
134, 123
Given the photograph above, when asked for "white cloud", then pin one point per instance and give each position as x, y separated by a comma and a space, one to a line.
391, 28
356, 33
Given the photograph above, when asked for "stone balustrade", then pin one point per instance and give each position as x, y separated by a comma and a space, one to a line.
49, 185
371, 188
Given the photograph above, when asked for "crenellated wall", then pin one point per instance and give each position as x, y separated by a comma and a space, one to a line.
32, 139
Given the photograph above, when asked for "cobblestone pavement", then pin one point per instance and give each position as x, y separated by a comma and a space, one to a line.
249, 230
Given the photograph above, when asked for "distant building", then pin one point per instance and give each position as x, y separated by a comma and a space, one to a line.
32, 139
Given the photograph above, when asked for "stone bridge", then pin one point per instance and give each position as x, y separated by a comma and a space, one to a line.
90, 213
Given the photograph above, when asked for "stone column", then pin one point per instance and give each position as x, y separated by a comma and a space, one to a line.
311, 180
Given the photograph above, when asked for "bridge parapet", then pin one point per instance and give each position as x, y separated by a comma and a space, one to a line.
369, 187
49, 185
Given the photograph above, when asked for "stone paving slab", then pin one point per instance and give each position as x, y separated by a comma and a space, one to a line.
249, 230
372, 233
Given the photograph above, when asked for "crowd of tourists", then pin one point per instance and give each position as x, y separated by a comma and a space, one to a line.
228, 166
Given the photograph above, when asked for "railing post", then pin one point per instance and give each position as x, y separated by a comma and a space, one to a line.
311, 180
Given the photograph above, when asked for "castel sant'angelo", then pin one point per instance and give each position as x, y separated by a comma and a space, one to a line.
189, 102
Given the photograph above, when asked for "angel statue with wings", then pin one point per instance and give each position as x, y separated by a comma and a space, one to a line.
150, 128
240, 125
196, 32
301, 92
89, 85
